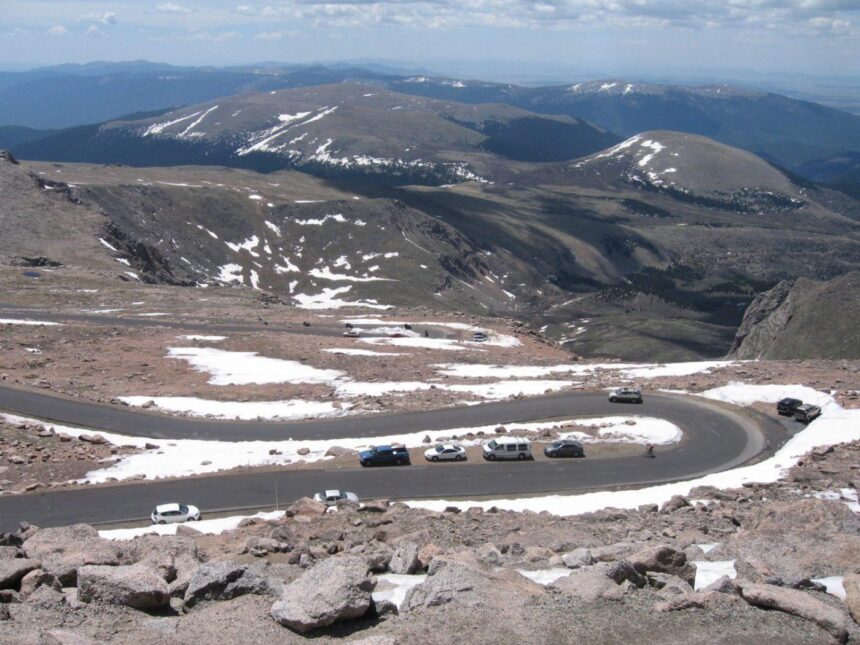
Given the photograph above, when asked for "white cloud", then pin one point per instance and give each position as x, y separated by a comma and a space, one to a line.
93, 32
216, 37
172, 7
59, 30
271, 35
108, 18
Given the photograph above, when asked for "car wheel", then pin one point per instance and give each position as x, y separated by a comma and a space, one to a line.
491, 457
459, 457
612, 399
161, 522
398, 462
521, 456
434, 458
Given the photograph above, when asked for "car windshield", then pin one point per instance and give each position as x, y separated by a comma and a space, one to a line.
183, 509
440, 448
492, 445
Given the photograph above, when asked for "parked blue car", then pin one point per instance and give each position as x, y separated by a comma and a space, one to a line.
384, 456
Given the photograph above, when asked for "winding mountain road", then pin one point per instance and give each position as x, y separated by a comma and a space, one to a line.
717, 437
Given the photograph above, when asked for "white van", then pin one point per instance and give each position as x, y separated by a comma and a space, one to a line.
507, 448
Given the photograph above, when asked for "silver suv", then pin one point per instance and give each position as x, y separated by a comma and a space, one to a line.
626, 395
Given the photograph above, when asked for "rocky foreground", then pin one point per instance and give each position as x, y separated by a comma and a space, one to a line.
619, 575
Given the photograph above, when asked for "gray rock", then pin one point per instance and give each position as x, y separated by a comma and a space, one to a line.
489, 554
852, 595
133, 586
796, 603
468, 582
4, 613
284, 533
577, 558
673, 504
723, 584
589, 584
62, 551
668, 585
38, 578
622, 570
306, 507
664, 559
12, 570
223, 581
46, 598
333, 590
405, 559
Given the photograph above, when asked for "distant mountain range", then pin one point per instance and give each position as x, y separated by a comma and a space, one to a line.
343, 130
650, 248
788, 132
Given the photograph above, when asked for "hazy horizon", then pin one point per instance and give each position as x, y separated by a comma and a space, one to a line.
732, 38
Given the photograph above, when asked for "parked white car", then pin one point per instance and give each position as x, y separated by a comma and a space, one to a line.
446, 452
626, 395
508, 448
175, 513
332, 497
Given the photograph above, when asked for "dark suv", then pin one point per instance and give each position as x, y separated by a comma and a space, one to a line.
787, 407
384, 456
564, 448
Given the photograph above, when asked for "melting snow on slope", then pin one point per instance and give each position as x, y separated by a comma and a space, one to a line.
653, 145
40, 323
628, 370
243, 368
708, 572
337, 217
328, 299
284, 410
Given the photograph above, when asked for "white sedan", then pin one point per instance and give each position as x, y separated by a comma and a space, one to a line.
174, 513
446, 452
332, 497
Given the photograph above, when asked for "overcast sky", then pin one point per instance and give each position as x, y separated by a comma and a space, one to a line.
649, 36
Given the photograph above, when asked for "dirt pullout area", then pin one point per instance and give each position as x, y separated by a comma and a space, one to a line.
33, 457
766, 563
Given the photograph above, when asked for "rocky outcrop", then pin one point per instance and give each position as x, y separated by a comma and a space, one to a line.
223, 581
12, 570
764, 320
796, 603
468, 582
851, 583
578, 558
38, 578
332, 590
405, 559
588, 584
133, 586
62, 551
664, 559
804, 319
821, 535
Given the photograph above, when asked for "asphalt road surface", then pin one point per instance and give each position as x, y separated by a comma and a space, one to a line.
717, 437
